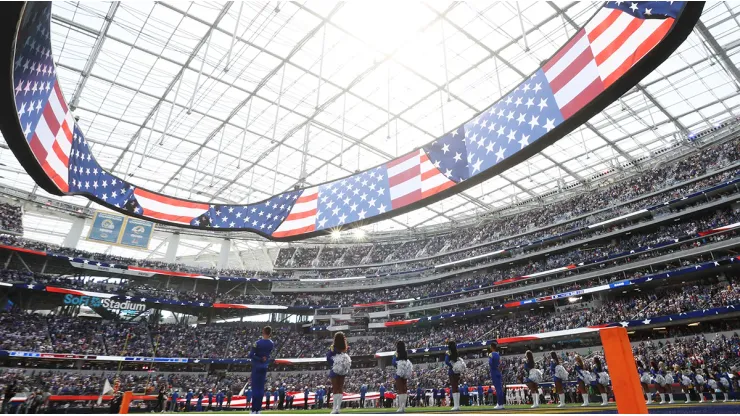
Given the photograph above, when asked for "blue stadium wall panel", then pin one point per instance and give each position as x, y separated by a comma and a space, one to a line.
607, 57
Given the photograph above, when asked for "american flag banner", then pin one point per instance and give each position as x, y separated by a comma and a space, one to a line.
588, 73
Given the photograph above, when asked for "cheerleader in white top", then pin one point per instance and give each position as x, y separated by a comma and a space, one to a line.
559, 375
668, 380
404, 369
584, 379
645, 380
533, 378
600, 380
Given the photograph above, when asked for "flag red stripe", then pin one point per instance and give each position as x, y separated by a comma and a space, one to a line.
437, 189
404, 176
37, 148
583, 98
409, 198
60, 153
166, 217
402, 159
429, 174
288, 233
619, 41
67, 132
52, 174
424, 157
572, 70
643, 49
298, 215
170, 201
51, 119
604, 25
307, 198
563, 51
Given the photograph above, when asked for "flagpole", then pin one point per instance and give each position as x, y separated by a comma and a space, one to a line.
151, 362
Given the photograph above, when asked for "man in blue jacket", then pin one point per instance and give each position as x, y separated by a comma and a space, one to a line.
381, 399
260, 356
465, 394
188, 399
480, 395
419, 395
319, 397
435, 397
306, 392
281, 397
249, 397
220, 400
173, 403
363, 392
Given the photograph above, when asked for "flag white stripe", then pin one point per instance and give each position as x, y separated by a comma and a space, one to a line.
57, 166
56, 106
168, 209
629, 47
303, 207
405, 188
610, 34
44, 134
577, 84
308, 206
64, 143
403, 166
562, 64
433, 182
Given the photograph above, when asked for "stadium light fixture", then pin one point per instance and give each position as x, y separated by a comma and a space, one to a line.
694, 324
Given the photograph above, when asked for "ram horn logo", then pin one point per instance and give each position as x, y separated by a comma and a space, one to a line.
138, 230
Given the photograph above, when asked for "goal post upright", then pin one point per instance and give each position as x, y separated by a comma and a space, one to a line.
623, 371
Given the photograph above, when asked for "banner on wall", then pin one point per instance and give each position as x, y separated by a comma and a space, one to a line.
106, 227
118, 229
136, 233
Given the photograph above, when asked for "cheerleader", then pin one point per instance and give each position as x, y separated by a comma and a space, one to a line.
645, 380
494, 362
601, 380
668, 378
655, 373
712, 386
340, 363
532, 379
584, 379
726, 382
685, 379
698, 382
404, 368
559, 374
456, 367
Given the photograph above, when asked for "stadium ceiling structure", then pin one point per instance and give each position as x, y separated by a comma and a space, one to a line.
313, 91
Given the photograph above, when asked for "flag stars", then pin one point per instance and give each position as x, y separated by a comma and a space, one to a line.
534, 121
549, 124
542, 104
521, 119
524, 142
633, 7
511, 136
537, 87
500, 153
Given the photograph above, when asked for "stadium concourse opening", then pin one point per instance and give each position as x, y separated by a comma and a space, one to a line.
367, 207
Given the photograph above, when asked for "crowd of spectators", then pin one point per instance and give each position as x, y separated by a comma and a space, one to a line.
11, 218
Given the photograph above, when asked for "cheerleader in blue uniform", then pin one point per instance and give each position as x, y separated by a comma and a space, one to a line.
340, 363
645, 381
404, 368
698, 381
656, 375
684, 377
600, 380
726, 381
668, 381
532, 378
711, 385
559, 375
584, 379
456, 366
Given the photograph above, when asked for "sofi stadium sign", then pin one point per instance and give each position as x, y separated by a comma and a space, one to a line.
96, 302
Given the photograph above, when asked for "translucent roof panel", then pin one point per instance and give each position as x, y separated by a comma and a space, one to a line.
233, 102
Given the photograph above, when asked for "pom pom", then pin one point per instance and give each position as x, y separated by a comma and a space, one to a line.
561, 372
604, 378
645, 378
668, 379
660, 380
342, 364
685, 381
458, 367
585, 376
712, 384
699, 379
535, 376
725, 382
404, 369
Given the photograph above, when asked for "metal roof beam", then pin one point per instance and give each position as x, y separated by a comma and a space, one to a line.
97, 47
727, 63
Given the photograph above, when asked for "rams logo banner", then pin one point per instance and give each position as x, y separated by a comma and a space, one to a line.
609, 55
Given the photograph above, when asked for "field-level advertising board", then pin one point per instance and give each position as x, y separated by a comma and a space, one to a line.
120, 230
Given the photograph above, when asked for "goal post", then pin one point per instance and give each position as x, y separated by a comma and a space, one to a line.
623, 371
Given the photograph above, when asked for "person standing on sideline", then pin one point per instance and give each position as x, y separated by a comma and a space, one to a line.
419, 395
281, 397
456, 367
188, 400
363, 392
480, 394
381, 396
229, 395
220, 400
306, 392
532, 378
494, 362
340, 363
260, 356
404, 370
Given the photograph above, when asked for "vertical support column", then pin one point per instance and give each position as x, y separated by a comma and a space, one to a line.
173, 243
73, 236
223, 257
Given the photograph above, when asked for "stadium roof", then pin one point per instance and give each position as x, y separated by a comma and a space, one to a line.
267, 94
